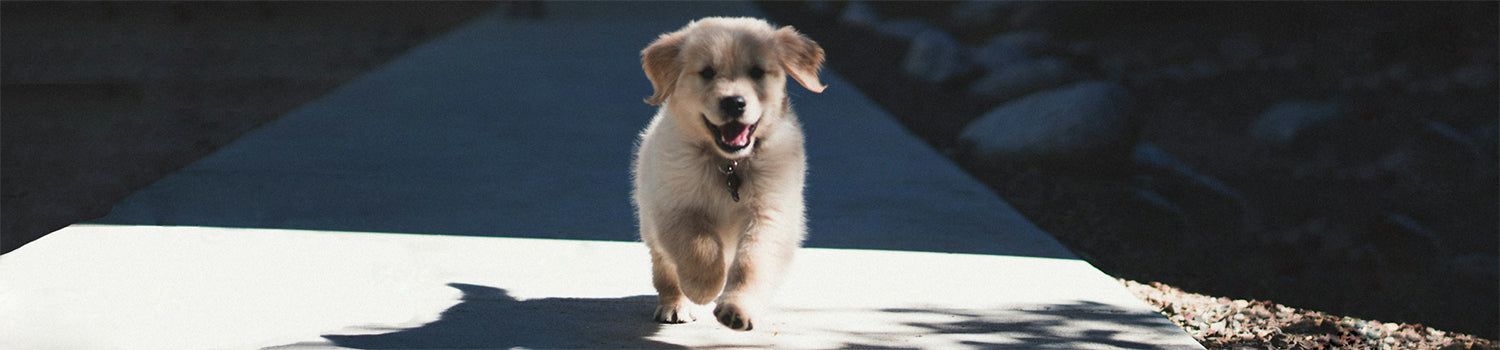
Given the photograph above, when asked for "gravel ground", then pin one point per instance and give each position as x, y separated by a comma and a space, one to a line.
1224, 323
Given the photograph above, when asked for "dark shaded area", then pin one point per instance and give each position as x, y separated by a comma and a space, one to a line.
104, 98
489, 318
1389, 213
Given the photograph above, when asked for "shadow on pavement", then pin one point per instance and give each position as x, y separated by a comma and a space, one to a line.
489, 318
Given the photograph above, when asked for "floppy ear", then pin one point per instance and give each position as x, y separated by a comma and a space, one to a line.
662, 65
801, 57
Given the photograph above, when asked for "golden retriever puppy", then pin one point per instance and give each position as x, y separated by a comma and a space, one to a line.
719, 170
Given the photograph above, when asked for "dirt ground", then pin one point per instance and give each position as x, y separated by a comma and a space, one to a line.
103, 98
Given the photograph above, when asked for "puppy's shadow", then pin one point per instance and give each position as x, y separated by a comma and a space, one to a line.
489, 318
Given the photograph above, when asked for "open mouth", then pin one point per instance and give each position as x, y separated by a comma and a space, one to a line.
732, 136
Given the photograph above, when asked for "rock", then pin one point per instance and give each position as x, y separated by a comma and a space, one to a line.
1404, 240
977, 13
1399, 73
1151, 158
1288, 62
859, 14
1312, 326
1083, 48
1239, 53
1476, 77
998, 53
1416, 229
821, 7
1021, 78
904, 28
1116, 67
1064, 125
1488, 137
1156, 209
934, 57
1476, 266
1176, 73
1033, 42
1365, 82
1281, 124
1205, 69
1451, 138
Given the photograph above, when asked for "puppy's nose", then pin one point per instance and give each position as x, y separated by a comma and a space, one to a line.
732, 106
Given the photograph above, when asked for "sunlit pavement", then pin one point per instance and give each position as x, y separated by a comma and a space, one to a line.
474, 193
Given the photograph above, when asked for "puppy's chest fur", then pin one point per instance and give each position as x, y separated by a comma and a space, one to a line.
679, 172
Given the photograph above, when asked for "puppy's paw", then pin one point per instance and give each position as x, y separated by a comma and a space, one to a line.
674, 314
734, 316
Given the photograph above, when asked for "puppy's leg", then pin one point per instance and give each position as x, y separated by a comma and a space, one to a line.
671, 305
690, 244
763, 256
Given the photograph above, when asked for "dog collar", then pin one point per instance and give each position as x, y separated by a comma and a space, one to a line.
732, 180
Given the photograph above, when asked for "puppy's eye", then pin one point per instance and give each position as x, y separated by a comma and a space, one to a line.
707, 73
756, 73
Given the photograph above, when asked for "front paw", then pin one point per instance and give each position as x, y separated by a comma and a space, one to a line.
673, 314
734, 316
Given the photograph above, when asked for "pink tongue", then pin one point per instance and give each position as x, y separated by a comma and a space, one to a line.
735, 134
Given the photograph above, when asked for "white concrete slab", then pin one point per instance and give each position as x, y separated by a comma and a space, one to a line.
149, 287
523, 129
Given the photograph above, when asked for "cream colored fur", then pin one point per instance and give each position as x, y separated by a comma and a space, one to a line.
705, 246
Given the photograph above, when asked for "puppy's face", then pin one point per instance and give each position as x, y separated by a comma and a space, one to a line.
723, 80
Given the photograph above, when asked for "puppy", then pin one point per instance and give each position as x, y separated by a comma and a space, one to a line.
719, 170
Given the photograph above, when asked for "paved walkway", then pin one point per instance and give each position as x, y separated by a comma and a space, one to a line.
475, 193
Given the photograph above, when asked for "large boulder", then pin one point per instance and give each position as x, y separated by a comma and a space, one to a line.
1082, 124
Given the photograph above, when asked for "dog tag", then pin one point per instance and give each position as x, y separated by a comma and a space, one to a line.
732, 180
734, 186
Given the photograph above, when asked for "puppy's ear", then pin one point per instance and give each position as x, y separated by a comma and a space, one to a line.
662, 64
801, 57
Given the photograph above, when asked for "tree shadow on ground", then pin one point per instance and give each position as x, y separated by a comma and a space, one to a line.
1076, 325
489, 318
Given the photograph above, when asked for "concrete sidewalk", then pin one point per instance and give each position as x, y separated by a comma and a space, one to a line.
149, 287
523, 129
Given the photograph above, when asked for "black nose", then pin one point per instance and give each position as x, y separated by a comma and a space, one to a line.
732, 106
